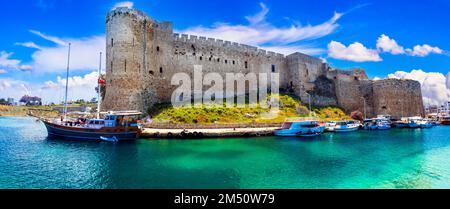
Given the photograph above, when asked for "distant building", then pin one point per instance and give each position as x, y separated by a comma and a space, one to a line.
31, 101
10, 101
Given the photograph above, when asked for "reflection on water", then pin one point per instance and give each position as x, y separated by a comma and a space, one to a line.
380, 159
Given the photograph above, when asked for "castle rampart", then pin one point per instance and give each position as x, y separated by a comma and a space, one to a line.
143, 55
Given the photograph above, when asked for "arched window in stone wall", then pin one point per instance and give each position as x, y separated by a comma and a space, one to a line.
273, 68
161, 70
112, 42
157, 48
246, 64
125, 65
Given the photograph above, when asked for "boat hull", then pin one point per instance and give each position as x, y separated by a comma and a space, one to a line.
346, 129
58, 131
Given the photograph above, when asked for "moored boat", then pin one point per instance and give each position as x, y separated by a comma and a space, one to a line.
117, 126
414, 122
300, 128
445, 120
377, 124
329, 126
426, 123
346, 126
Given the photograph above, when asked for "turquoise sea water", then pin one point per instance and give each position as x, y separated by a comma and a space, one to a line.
385, 159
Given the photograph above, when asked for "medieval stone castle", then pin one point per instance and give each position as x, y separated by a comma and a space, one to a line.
142, 55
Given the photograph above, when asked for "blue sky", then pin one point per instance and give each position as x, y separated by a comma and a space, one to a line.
346, 34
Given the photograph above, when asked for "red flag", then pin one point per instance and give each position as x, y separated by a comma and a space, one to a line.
101, 81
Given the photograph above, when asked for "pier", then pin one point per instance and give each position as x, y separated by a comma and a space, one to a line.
208, 131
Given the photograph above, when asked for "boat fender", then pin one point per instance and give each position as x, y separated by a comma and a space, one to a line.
170, 134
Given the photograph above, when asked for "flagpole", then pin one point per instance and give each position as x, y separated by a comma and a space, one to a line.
99, 87
67, 84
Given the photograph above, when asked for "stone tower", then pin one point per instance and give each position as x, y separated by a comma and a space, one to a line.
128, 36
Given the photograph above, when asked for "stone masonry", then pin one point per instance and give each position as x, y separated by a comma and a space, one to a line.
142, 55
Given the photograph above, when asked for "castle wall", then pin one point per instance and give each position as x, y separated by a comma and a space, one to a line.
142, 56
399, 98
180, 53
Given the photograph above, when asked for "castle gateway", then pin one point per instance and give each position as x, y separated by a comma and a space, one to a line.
142, 55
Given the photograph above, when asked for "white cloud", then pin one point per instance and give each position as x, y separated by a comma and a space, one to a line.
386, 44
14, 88
8, 63
29, 45
2, 71
376, 78
424, 50
25, 67
53, 39
260, 33
127, 4
356, 52
260, 17
84, 53
80, 87
434, 85
448, 80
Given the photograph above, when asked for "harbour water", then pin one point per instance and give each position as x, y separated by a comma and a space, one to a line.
397, 158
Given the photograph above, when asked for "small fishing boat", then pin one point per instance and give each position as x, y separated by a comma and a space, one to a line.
329, 126
414, 122
402, 123
426, 123
377, 124
300, 128
445, 120
346, 126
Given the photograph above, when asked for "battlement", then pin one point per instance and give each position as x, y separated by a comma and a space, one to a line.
393, 82
227, 45
125, 11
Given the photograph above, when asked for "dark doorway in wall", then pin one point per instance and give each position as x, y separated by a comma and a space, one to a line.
273, 68
246, 64
161, 70
157, 48
151, 72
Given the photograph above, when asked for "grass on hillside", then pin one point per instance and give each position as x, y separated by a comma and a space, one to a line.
290, 107
40, 111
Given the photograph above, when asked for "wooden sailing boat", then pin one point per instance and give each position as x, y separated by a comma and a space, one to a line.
116, 126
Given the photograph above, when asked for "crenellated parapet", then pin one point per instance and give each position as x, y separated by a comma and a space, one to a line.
225, 45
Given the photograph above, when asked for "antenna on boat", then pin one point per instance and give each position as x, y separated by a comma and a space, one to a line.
67, 83
99, 87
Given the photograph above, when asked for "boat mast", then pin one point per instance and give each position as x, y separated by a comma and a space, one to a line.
99, 87
67, 84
